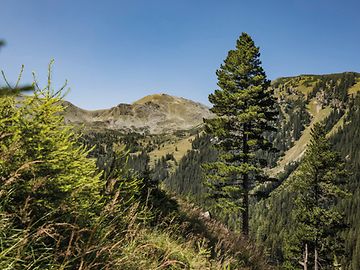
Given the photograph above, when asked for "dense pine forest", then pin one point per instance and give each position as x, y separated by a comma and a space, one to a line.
270, 180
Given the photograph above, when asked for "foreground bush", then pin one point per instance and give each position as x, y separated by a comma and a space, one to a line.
55, 212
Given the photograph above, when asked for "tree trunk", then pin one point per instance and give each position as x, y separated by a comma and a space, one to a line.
245, 215
316, 259
304, 263
316, 266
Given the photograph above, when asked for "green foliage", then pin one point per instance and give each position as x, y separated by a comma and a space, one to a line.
347, 142
271, 224
41, 166
271, 220
319, 183
47, 181
56, 213
334, 86
245, 109
292, 120
187, 178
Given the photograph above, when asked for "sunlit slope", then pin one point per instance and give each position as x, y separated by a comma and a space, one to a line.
319, 93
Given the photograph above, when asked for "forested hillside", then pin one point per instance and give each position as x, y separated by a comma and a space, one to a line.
342, 125
304, 101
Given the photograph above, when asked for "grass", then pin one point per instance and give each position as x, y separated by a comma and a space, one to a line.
223, 247
355, 88
159, 249
179, 239
177, 147
302, 84
339, 124
313, 107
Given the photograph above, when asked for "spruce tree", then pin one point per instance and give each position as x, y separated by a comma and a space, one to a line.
245, 110
320, 184
42, 166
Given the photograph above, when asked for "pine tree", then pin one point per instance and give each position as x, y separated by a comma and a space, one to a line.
245, 110
320, 184
41, 164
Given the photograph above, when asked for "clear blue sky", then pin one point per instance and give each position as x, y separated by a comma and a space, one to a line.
118, 51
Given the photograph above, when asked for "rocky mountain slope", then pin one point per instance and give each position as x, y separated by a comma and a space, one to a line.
155, 114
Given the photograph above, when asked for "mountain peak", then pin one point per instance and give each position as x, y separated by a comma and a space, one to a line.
157, 113
158, 98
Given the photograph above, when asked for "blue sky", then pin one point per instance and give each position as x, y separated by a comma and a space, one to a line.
118, 51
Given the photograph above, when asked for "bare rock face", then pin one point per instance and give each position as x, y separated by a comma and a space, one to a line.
156, 114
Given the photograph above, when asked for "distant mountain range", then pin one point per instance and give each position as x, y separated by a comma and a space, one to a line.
155, 114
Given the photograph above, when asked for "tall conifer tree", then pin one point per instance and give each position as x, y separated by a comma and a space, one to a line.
320, 184
245, 110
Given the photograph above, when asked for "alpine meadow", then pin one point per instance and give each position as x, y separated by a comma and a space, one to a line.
228, 166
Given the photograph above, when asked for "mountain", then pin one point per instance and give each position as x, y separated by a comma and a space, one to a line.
154, 114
